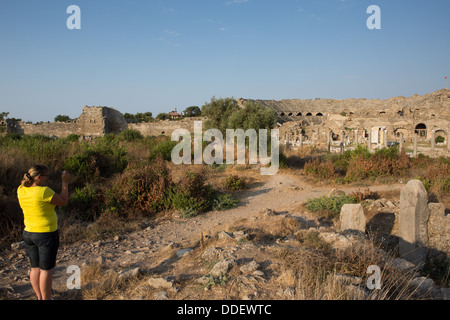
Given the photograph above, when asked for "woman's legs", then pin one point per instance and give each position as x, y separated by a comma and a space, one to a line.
45, 284
41, 281
42, 249
34, 279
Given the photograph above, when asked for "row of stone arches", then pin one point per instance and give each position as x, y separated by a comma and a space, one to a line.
423, 132
299, 114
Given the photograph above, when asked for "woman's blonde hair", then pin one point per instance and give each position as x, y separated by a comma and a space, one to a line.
32, 173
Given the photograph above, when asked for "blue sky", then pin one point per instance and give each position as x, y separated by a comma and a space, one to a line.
154, 55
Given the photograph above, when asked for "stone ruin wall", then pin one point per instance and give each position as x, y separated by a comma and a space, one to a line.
354, 121
93, 122
98, 121
301, 122
165, 127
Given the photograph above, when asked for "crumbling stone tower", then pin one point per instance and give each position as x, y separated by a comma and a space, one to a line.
98, 121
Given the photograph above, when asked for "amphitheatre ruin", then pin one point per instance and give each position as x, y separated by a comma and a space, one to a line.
417, 120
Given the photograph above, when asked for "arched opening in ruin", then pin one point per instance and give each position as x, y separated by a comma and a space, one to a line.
290, 114
335, 136
299, 114
440, 137
400, 113
319, 115
282, 114
421, 130
382, 113
398, 132
309, 114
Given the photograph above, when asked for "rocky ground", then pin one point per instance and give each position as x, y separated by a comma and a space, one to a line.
234, 254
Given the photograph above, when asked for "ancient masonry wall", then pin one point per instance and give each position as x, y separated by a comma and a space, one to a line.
320, 121
165, 127
94, 122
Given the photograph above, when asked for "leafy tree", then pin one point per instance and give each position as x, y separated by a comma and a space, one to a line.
62, 118
192, 111
163, 116
225, 114
217, 113
252, 116
139, 117
3, 117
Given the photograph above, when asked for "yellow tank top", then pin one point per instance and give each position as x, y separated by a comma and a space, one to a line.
39, 214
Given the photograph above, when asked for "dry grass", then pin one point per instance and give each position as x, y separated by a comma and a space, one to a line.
305, 266
318, 274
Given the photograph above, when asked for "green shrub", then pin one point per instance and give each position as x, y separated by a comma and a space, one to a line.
141, 188
192, 188
163, 149
83, 202
282, 161
96, 162
329, 206
439, 139
130, 135
187, 204
72, 137
320, 169
224, 201
234, 183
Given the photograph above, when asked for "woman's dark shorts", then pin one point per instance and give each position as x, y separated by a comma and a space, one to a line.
41, 248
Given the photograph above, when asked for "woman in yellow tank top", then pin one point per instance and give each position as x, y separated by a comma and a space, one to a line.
41, 235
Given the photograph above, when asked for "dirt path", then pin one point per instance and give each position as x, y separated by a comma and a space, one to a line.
282, 193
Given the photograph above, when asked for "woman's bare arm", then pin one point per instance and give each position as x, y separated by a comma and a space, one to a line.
62, 199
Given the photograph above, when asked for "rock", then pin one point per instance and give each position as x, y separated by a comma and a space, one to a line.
240, 235
225, 235
258, 273
338, 241
212, 253
183, 252
249, 267
352, 218
445, 293
160, 283
390, 204
129, 273
289, 292
336, 192
221, 268
203, 280
413, 222
424, 286
161, 296
377, 203
438, 229
402, 264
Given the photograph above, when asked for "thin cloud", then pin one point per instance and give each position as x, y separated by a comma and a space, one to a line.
172, 33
